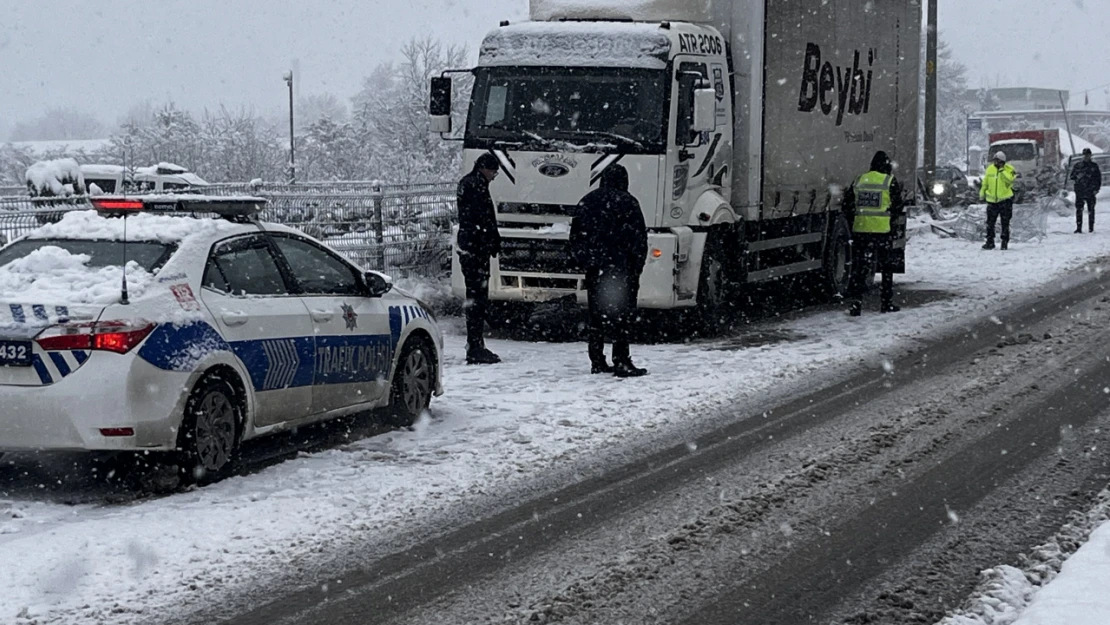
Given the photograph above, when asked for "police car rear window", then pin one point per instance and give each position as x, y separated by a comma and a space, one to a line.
150, 255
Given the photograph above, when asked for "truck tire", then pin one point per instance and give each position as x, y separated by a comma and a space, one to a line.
714, 282
836, 271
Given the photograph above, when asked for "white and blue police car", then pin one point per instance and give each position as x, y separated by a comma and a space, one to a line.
221, 328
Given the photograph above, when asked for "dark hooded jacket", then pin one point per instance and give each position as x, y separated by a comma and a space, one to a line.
1087, 178
478, 233
880, 163
608, 230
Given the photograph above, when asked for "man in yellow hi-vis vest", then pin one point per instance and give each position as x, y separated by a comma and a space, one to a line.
998, 191
872, 200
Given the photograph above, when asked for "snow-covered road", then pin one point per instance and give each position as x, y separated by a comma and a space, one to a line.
499, 433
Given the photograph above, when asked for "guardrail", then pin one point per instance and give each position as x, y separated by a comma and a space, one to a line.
403, 231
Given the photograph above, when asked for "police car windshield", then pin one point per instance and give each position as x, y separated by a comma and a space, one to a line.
569, 105
150, 255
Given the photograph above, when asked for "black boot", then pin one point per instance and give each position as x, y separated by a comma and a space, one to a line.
625, 369
481, 356
856, 309
891, 308
1091, 227
600, 366
1005, 245
989, 245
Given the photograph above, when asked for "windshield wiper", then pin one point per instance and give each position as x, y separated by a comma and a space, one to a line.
608, 135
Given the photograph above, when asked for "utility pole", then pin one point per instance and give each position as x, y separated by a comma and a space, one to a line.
292, 137
931, 93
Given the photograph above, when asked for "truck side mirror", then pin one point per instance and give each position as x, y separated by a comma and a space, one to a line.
705, 110
439, 107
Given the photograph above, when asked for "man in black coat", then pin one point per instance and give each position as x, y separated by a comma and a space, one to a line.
609, 241
478, 241
1088, 182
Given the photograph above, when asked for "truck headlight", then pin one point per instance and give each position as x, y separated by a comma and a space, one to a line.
939, 188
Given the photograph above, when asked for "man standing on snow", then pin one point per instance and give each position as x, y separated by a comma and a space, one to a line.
608, 238
478, 241
1088, 181
998, 191
872, 201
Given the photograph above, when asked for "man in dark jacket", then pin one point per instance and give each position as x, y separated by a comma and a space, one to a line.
1088, 182
871, 202
478, 241
609, 241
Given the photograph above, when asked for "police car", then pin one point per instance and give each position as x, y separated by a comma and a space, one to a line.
221, 329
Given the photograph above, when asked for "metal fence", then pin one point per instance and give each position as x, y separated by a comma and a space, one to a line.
404, 231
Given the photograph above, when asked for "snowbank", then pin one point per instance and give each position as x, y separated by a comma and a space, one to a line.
57, 178
51, 275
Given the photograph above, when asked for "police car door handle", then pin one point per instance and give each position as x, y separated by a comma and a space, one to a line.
322, 316
235, 318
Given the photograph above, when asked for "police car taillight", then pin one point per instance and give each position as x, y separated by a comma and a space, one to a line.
112, 336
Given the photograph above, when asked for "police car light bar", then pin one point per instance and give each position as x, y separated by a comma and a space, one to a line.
117, 205
237, 208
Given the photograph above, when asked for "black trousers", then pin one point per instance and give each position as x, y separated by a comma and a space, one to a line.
476, 273
612, 294
870, 251
1080, 202
1005, 210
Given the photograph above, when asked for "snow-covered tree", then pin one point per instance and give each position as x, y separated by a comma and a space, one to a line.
391, 114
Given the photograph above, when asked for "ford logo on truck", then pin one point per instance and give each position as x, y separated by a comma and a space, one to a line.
555, 165
554, 170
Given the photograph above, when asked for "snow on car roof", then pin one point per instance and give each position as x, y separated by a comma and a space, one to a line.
577, 44
139, 227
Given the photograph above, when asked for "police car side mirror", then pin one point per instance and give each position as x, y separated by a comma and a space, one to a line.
376, 285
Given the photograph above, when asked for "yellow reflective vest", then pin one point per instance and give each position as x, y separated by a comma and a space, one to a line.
872, 203
998, 184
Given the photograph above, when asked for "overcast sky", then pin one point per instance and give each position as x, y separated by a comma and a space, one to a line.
103, 56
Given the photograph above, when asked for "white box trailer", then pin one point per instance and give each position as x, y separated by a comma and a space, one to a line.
739, 122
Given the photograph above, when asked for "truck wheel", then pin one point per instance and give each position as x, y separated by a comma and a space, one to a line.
837, 269
713, 291
208, 443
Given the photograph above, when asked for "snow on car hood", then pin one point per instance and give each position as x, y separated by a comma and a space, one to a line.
51, 275
140, 227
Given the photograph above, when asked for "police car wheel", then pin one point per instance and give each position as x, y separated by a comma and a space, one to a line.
210, 432
413, 382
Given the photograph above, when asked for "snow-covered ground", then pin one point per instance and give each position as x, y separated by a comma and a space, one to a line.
496, 429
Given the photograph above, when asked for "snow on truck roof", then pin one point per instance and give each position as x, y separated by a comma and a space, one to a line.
593, 44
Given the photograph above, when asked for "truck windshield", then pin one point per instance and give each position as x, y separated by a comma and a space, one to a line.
1017, 151
569, 108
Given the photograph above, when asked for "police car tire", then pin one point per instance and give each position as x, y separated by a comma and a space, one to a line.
212, 392
400, 413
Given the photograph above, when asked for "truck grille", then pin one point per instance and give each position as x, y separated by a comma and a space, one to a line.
519, 208
537, 256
